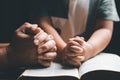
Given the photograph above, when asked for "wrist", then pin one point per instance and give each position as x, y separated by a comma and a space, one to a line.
10, 60
60, 52
4, 61
91, 51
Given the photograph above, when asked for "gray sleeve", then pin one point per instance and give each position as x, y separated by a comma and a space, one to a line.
106, 9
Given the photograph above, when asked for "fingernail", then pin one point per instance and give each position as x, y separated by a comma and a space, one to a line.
36, 42
38, 30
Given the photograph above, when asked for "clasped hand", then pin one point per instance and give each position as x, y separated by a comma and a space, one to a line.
76, 51
31, 45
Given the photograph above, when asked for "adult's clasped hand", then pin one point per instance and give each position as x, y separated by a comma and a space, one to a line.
31, 45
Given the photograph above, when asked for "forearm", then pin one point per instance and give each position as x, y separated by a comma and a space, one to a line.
3, 55
47, 27
101, 37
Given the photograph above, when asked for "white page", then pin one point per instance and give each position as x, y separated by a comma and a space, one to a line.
54, 70
103, 61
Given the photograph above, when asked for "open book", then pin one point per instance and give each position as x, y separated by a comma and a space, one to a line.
57, 71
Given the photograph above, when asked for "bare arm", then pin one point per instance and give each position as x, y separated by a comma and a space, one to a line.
46, 25
3, 54
101, 37
97, 42
84, 50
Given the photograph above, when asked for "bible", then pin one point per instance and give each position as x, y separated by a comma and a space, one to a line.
56, 71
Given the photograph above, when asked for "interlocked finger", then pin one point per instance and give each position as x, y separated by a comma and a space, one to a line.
75, 61
49, 56
40, 38
76, 49
46, 46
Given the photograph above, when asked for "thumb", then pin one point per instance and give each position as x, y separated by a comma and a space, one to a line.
27, 30
33, 30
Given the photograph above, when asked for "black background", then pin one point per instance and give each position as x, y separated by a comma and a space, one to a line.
12, 14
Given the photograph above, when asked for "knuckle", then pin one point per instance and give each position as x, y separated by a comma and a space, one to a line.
40, 36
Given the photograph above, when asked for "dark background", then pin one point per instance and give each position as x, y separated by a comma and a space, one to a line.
12, 14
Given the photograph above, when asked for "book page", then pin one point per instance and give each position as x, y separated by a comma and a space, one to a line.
55, 69
103, 61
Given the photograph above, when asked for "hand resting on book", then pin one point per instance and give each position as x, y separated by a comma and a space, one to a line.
76, 51
26, 47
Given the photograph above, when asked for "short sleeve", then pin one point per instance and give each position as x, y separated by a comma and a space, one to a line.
38, 8
57, 8
106, 9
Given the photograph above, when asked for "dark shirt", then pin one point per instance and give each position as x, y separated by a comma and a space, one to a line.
13, 14
16, 12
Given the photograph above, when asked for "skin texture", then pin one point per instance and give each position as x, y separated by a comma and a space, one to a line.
77, 50
30, 45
